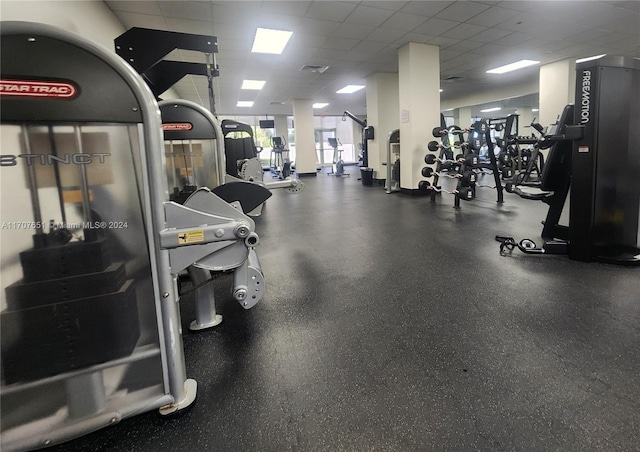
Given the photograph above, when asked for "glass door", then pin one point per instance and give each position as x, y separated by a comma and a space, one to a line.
324, 152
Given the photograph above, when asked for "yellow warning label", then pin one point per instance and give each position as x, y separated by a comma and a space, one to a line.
190, 237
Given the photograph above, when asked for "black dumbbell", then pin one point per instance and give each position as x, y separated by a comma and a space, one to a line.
469, 177
424, 185
505, 158
437, 132
507, 172
475, 144
430, 159
433, 146
471, 159
427, 172
465, 193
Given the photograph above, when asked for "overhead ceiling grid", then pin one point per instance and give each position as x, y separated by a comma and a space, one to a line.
358, 38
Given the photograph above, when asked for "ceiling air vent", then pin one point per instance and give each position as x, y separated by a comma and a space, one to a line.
313, 68
452, 78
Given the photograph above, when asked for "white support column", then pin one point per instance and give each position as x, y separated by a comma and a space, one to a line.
281, 127
419, 89
557, 85
305, 139
462, 117
524, 121
382, 114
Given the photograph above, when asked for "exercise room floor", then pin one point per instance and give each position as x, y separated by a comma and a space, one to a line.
391, 323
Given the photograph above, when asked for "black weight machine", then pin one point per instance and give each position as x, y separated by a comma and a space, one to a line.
367, 134
594, 157
239, 145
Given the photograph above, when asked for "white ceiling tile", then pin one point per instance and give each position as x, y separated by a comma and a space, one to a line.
425, 8
329, 53
436, 27
334, 11
385, 35
520, 5
463, 31
130, 20
315, 26
465, 46
306, 40
403, 21
369, 48
582, 37
492, 16
443, 42
350, 30
449, 54
629, 5
339, 43
367, 15
197, 27
462, 11
293, 8
393, 5
489, 50
228, 12
414, 37
187, 10
521, 22
131, 6
490, 35
515, 38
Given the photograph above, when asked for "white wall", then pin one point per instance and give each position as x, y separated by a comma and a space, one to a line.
557, 89
91, 19
485, 96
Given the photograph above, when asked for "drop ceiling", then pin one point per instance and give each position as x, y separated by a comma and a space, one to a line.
358, 38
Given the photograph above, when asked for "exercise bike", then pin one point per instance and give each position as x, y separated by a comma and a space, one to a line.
337, 167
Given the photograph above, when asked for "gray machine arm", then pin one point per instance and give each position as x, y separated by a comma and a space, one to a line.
251, 170
211, 234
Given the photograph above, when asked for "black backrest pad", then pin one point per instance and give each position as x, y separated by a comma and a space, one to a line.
557, 169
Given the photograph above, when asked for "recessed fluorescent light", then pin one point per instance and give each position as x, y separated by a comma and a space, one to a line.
441, 90
582, 60
270, 41
244, 103
535, 109
320, 104
350, 89
252, 84
512, 67
487, 110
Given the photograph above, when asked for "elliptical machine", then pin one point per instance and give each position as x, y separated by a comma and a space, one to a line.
337, 166
279, 162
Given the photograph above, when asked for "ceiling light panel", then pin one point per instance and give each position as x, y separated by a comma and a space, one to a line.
512, 67
582, 60
320, 105
270, 41
350, 89
244, 103
488, 110
252, 84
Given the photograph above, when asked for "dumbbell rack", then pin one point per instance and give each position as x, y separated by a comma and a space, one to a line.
465, 165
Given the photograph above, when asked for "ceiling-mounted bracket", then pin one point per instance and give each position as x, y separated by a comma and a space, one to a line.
145, 49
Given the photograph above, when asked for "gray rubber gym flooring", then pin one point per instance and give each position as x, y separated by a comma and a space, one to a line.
391, 323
